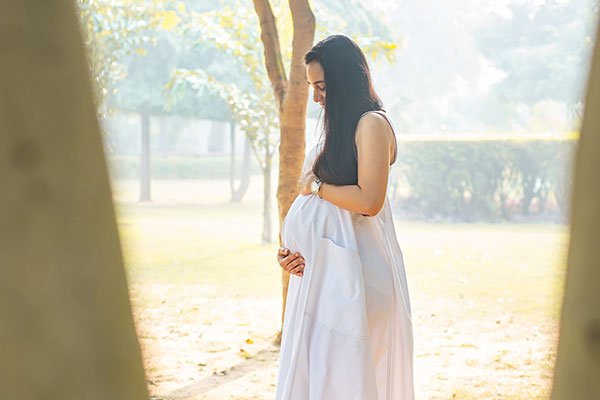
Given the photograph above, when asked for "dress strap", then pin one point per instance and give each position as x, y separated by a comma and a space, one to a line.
384, 115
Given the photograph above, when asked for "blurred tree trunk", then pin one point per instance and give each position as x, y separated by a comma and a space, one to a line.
216, 139
291, 96
67, 330
163, 135
238, 194
578, 361
145, 158
267, 234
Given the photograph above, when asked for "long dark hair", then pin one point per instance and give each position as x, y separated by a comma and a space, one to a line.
349, 94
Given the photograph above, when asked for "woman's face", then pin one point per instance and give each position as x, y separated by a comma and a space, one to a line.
316, 78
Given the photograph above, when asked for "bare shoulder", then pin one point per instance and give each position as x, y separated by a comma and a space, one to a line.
373, 126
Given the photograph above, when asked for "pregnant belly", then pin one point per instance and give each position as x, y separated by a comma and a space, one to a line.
299, 227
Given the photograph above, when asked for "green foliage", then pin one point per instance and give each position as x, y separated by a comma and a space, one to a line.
543, 48
234, 33
144, 89
113, 29
359, 22
233, 29
477, 180
132, 47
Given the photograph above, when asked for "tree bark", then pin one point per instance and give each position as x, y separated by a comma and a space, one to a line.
145, 158
578, 360
291, 97
267, 235
67, 330
163, 135
272, 50
232, 158
238, 194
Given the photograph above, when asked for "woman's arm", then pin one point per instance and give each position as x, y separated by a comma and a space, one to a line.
374, 139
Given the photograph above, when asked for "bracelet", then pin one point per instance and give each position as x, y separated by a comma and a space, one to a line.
316, 187
319, 185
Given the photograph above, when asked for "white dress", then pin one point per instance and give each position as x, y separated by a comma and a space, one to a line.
347, 331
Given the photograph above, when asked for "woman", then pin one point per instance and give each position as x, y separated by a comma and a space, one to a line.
347, 331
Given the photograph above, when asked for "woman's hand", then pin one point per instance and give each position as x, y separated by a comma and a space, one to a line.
304, 183
292, 263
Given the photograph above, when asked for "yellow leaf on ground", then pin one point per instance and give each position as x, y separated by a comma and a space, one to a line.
244, 354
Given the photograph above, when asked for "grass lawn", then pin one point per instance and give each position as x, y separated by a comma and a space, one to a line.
206, 293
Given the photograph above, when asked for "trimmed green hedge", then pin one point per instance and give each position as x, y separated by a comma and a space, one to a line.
466, 179
495, 179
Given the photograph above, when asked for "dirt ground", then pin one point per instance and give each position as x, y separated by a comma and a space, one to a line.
197, 345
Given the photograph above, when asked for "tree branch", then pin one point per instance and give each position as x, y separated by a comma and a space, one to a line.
273, 57
304, 34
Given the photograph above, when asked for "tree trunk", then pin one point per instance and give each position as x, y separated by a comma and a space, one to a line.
163, 135
232, 158
578, 360
216, 139
267, 236
145, 158
528, 192
291, 97
238, 194
67, 330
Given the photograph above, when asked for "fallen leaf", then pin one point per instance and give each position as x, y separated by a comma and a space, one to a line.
243, 353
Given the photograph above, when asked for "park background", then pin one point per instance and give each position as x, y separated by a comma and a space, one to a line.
486, 97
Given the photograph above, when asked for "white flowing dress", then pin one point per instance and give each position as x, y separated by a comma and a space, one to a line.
347, 331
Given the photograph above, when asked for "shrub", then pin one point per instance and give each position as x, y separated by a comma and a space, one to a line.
486, 179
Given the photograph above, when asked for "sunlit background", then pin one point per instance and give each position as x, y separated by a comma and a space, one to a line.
486, 98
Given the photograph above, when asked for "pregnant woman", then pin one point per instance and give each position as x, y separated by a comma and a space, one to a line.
347, 331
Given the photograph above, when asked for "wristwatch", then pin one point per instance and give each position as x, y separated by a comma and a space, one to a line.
315, 186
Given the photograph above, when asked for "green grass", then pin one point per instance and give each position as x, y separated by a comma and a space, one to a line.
218, 247
512, 267
515, 268
469, 275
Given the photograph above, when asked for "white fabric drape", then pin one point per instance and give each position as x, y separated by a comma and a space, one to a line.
347, 330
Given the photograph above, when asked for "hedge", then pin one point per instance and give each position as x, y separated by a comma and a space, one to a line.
486, 179
463, 178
